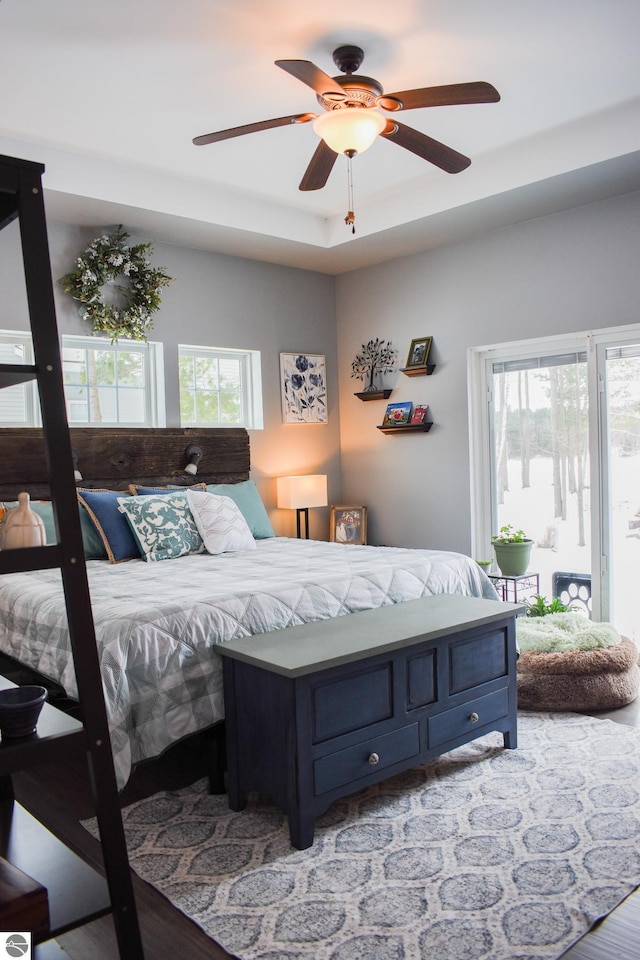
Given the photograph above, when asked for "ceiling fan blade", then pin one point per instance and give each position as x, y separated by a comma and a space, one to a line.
321, 165
432, 150
314, 77
445, 96
252, 128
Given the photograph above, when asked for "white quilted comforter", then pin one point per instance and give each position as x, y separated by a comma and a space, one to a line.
158, 624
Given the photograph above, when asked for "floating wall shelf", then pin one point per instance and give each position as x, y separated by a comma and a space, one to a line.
409, 428
374, 395
418, 371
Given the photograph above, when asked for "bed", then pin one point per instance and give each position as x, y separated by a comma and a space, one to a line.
158, 623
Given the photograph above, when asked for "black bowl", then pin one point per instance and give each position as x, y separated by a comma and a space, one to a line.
19, 710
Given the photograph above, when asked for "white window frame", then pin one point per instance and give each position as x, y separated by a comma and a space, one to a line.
29, 387
479, 364
154, 413
251, 377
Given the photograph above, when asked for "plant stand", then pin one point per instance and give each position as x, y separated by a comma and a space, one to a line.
512, 589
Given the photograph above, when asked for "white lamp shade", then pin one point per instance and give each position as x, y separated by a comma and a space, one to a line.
295, 493
350, 128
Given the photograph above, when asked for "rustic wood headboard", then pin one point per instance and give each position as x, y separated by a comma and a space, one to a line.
112, 458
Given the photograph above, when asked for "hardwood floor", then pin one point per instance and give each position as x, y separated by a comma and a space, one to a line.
62, 798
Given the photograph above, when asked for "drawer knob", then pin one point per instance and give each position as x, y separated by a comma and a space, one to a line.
474, 717
373, 759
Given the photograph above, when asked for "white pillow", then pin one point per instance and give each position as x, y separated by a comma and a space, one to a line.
220, 523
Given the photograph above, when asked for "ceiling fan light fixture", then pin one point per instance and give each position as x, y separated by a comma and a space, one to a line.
349, 130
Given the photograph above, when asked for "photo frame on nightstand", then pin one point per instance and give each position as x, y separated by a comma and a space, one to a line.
348, 523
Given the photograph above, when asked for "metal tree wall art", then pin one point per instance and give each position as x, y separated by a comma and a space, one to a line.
376, 356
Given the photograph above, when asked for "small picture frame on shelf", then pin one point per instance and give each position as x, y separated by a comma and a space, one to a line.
348, 524
419, 352
419, 414
397, 414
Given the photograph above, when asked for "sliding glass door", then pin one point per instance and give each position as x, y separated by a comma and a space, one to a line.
555, 451
540, 459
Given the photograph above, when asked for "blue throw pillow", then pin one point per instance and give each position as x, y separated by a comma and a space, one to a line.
112, 526
247, 498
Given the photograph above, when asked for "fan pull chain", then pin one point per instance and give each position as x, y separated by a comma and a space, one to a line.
350, 218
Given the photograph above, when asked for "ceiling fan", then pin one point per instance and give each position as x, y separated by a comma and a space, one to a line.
352, 121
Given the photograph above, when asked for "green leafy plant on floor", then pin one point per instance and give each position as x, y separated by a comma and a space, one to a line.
540, 607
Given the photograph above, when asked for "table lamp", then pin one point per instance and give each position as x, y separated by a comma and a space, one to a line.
300, 493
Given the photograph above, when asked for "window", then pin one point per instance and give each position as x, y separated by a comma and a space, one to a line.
106, 384
112, 384
18, 404
220, 387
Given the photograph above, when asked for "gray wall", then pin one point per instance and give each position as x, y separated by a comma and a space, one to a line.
573, 271
221, 301
570, 272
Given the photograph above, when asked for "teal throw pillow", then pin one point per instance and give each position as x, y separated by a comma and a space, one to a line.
91, 541
162, 525
247, 498
94, 548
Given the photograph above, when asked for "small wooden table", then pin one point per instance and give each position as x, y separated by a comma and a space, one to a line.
320, 710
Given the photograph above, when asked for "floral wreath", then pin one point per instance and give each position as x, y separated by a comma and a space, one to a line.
105, 260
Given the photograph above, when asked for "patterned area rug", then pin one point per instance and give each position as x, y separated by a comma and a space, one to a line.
482, 853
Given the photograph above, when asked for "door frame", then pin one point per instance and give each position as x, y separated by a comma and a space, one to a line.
482, 490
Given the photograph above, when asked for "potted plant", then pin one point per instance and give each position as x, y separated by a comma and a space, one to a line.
513, 550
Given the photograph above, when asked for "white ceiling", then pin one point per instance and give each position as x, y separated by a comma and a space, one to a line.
109, 94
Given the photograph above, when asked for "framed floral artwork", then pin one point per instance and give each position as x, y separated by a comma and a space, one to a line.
304, 388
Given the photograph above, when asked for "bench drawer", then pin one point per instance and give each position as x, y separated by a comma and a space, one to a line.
468, 717
354, 763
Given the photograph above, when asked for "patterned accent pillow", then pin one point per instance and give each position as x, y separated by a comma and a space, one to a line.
162, 525
220, 523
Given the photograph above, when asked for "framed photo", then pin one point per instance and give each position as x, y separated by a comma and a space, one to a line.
419, 413
303, 388
348, 524
397, 414
419, 352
